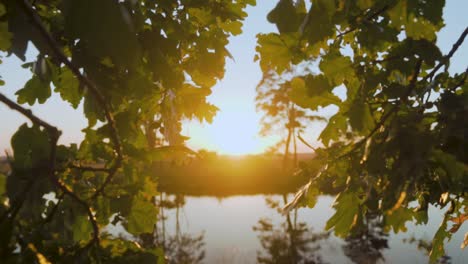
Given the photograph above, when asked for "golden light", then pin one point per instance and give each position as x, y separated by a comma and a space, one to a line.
231, 133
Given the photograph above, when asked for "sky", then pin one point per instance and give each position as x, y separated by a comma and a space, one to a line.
235, 128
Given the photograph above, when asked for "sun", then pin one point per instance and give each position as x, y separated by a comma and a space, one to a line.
231, 133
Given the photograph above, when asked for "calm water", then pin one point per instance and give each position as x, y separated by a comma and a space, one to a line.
228, 237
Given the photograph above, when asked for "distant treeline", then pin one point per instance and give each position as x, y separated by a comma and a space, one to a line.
210, 174
214, 175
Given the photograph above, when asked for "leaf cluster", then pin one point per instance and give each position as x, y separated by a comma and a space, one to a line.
399, 135
137, 68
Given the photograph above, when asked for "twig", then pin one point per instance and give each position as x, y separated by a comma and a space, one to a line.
411, 88
54, 135
28, 113
88, 168
16, 204
447, 57
367, 17
384, 118
462, 81
305, 142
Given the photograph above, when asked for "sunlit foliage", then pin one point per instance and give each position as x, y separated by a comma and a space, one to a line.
398, 141
138, 67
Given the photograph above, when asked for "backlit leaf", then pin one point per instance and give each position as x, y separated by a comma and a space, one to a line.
34, 89
69, 87
337, 68
142, 217
347, 211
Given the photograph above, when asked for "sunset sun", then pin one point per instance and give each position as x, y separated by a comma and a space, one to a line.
231, 133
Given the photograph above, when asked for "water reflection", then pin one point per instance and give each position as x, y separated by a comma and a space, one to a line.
425, 246
180, 247
366, 244
250, 229
289, 242
295, 242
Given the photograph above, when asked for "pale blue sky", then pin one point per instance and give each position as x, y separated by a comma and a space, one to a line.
235, 128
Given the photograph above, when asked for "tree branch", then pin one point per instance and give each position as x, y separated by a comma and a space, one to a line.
447, 57
94, 168
384, 118
367, 17
462, 81
54, 135
92, 87
28, 113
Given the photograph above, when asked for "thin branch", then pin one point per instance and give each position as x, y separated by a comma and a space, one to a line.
54, 135
447, 57
92, 87
462, 81
367, 17
94, 168
85, 205
384, 118
28, 113
16, 204
305, 142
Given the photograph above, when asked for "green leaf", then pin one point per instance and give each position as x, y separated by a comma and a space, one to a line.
364, 4
69, 87
159, 252
233, 27
30, 146
360, 117
398, 14
416, 27
312, 94
397, 219
310, 199
420, 28
336, 126
82, 228
287, 15
2, 9
337, 68
34, 89
202, 15
2, 184
142, 216
5, 35
104, 27
347, 211
320, 27
92, 110
273, 52
442, 233
456, 170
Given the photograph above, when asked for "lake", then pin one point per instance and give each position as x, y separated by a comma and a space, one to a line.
221, 230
